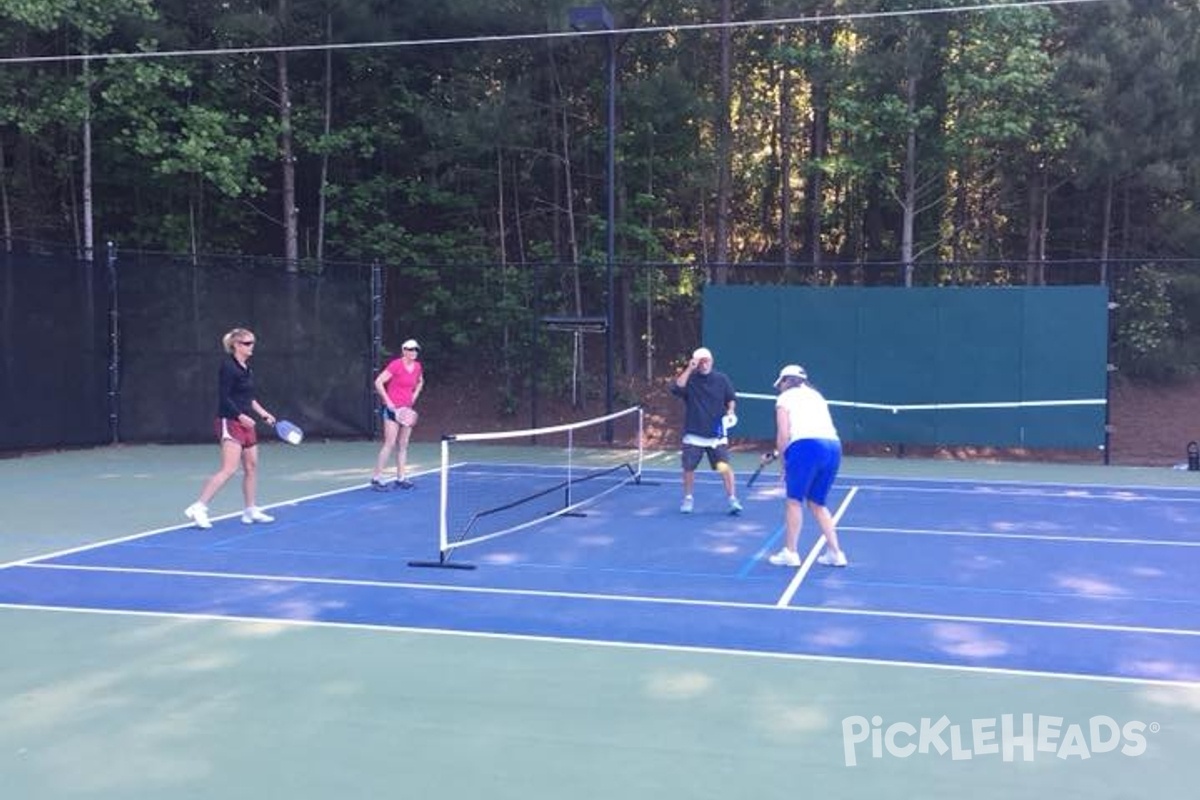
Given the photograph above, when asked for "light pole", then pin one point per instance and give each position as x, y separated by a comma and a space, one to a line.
598, 18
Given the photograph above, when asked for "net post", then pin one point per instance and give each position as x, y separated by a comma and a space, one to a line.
641, 441
444, 496
638, 478
570, 464
443, 561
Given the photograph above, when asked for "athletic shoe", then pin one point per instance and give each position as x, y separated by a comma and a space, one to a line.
786, 558
198, 513
255, 514
405, 484
831, 560
380, 486
688, 505
735, 507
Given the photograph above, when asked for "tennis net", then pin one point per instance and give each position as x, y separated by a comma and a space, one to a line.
1072, 423
497, 483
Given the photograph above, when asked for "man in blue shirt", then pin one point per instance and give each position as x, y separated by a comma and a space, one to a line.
709, 401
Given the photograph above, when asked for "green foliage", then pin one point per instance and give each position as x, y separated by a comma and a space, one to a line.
94, 18
1155, 338
162, 121
452, 156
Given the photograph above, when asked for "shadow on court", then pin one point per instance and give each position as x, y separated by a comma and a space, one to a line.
631, 651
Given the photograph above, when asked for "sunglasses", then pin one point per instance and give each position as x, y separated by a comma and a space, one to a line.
246, 344
411, 349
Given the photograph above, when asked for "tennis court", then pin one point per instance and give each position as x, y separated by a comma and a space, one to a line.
630, 650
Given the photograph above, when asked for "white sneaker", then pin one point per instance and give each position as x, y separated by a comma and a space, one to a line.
688, 505
735, 507
255, 514
198, 513
786, 558
830, 559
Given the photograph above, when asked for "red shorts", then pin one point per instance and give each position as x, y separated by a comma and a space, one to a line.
232, 429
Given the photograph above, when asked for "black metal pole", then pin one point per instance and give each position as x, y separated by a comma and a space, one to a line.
375, 355
1109, 366
114, 349
610, 233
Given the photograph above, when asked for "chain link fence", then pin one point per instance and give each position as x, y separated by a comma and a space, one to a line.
125, 348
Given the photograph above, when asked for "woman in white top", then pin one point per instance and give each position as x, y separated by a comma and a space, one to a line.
811, 456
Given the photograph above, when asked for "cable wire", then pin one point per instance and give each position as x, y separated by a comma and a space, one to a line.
549, 35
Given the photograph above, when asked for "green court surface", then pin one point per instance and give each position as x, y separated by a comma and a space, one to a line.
120, 705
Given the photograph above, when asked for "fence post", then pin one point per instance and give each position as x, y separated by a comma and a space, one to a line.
114, 349
376, 344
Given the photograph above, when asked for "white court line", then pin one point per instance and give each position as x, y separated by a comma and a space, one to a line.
670, 648
1039, 537
169, 528
624, 598
1104, 490
31, 560
786, 598
988, 490
985, 491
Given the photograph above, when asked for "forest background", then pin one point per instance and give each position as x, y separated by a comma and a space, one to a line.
831, 142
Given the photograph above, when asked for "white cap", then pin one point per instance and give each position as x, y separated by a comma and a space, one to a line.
410, 344
701, 353
791, 371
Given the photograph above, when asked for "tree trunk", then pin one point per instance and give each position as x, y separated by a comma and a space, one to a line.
960, 216
569, 197
628, 334
909, 203
328, 127
506, 367
1037, 225
518, 230
1105, 227
1031, 232
818, 146
1126, 230
287, 158
785, 156
724, 145
649, 272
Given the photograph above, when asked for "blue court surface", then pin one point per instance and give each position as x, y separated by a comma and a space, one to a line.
1083, 581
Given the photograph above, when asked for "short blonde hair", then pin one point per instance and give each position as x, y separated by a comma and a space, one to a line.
227, 341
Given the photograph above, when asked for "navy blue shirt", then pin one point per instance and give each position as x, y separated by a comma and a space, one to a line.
235, 389
706, 397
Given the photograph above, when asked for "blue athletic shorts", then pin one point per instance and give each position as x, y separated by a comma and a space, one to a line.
810, 466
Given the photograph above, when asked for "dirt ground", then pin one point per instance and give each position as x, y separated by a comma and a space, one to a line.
1151, 426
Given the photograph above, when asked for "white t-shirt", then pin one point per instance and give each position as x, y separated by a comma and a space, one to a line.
808, 414
705, 441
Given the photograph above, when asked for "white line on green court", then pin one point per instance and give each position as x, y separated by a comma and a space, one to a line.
521, 637
1050, 487
1037, 537
794, 586
989, 489
31, 560
621, 598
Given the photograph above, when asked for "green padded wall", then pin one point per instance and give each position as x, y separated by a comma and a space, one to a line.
901, 347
